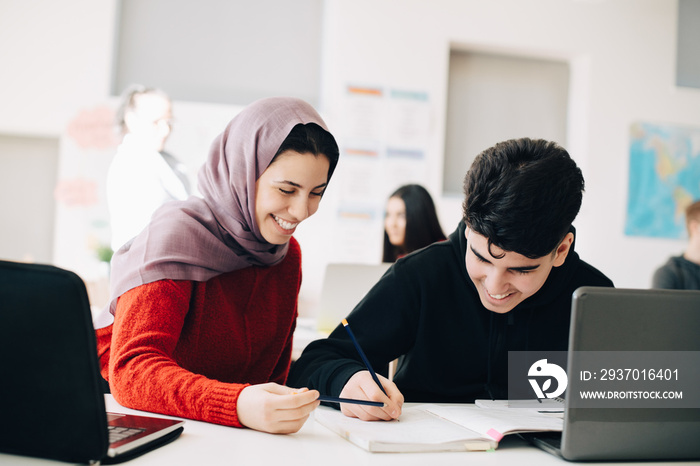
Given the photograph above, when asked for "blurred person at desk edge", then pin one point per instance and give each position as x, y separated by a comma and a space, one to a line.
683, 272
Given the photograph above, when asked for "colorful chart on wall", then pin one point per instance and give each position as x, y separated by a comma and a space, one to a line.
664, 178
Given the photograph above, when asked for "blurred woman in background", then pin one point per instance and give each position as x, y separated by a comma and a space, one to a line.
410, 222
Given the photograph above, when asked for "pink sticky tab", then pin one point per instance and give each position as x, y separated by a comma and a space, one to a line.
496, 435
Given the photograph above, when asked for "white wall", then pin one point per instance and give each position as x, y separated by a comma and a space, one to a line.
22, 158
267, 47
56, 58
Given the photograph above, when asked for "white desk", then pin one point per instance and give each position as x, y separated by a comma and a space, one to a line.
209, 444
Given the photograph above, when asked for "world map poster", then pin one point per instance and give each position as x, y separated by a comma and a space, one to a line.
664, 178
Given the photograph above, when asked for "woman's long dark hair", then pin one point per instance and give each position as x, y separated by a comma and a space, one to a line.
422, 224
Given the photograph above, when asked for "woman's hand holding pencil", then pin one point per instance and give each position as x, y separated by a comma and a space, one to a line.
274, 408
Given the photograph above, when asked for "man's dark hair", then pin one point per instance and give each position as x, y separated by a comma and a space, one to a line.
523, 195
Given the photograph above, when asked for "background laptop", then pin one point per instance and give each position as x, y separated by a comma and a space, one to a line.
51, 401
610, 319
344, 286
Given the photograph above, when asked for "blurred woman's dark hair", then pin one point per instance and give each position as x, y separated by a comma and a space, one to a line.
422, 224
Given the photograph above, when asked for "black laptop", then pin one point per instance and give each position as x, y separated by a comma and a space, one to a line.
51, 398
633, 347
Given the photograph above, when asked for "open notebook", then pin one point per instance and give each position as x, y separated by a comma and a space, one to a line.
51, 399
432, 428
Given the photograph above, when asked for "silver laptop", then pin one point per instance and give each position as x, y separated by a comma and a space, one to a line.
51, 395
632, 348
344, 286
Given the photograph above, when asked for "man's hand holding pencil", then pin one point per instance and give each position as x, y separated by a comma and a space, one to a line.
367, 385
362, 386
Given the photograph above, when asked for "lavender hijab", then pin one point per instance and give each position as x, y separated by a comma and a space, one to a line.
201, 238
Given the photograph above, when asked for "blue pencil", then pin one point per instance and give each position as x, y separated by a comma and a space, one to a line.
362, 355
335, 399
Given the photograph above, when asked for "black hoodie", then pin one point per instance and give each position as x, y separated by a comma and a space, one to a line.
426, 311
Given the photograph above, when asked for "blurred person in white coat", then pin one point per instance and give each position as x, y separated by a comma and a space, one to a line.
141, 176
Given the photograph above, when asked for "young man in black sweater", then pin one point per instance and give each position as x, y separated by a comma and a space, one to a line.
450, 312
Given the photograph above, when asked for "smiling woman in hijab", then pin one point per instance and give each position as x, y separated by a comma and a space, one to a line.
204, 300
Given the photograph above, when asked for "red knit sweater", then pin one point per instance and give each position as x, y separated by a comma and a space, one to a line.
187, 348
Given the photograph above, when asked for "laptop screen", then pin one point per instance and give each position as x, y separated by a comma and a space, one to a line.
634, 386
54, 405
